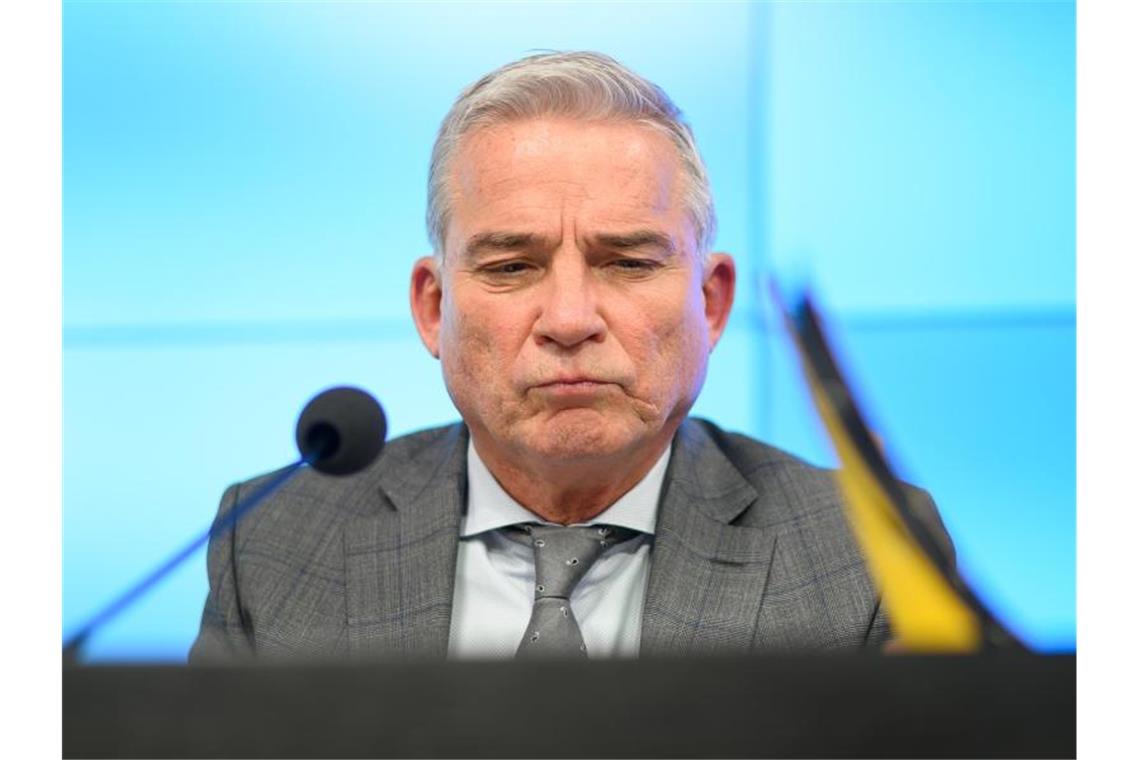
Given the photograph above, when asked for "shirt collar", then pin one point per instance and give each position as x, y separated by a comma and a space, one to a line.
489, 507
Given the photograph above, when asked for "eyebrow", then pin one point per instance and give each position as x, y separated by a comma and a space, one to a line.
632, 240
492, 242
486, 243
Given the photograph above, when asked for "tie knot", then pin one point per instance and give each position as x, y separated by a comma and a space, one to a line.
562, 555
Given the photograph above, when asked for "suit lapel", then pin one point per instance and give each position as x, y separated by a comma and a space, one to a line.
400, 562
707, 577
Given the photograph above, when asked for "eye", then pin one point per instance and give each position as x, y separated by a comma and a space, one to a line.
635, 266
507, 268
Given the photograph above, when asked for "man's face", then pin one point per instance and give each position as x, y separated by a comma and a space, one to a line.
572, 316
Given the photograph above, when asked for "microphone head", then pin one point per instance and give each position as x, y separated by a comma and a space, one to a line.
341, 431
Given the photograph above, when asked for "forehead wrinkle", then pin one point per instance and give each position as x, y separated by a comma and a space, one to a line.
566, 234
646, 183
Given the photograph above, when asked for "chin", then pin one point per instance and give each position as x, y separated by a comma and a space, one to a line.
582, 434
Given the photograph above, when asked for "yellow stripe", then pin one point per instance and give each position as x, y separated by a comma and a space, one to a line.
926, 613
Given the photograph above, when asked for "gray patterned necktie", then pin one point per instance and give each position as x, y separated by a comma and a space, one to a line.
562, 556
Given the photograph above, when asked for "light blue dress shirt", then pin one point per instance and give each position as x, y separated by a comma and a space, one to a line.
494, 578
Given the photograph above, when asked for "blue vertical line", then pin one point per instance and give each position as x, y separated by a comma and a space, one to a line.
759, 204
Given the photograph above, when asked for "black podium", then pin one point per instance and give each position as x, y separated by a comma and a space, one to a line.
791, 706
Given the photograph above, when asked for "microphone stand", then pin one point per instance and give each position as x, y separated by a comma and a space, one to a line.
341, 431
72, 647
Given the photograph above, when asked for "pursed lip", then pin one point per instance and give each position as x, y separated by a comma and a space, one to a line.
574, 390
573, 381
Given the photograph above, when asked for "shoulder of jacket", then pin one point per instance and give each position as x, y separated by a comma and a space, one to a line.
335, 498
791, 488
756, 460
788, 487
416, 444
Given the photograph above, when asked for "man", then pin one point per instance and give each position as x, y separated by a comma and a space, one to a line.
573, 301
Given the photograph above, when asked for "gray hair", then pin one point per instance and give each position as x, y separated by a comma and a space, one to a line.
582, 85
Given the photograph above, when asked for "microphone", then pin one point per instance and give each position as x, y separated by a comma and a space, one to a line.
340, 431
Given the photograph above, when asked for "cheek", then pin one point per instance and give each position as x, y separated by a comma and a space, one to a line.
672, 347
466, 346
476, 342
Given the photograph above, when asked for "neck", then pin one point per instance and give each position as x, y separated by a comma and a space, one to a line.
572, 492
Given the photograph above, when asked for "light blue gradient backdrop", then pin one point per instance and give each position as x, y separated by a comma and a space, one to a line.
244, 194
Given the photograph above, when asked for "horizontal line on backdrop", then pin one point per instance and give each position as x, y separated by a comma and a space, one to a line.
331, 331
231, 333
945, 319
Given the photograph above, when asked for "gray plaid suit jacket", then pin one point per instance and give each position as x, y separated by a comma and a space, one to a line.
752, 552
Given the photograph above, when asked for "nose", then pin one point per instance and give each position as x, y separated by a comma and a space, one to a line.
569, 313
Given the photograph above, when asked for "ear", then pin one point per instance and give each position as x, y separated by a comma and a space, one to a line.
719, 288
426, 294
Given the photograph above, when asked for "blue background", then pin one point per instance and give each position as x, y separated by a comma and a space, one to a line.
244, 195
